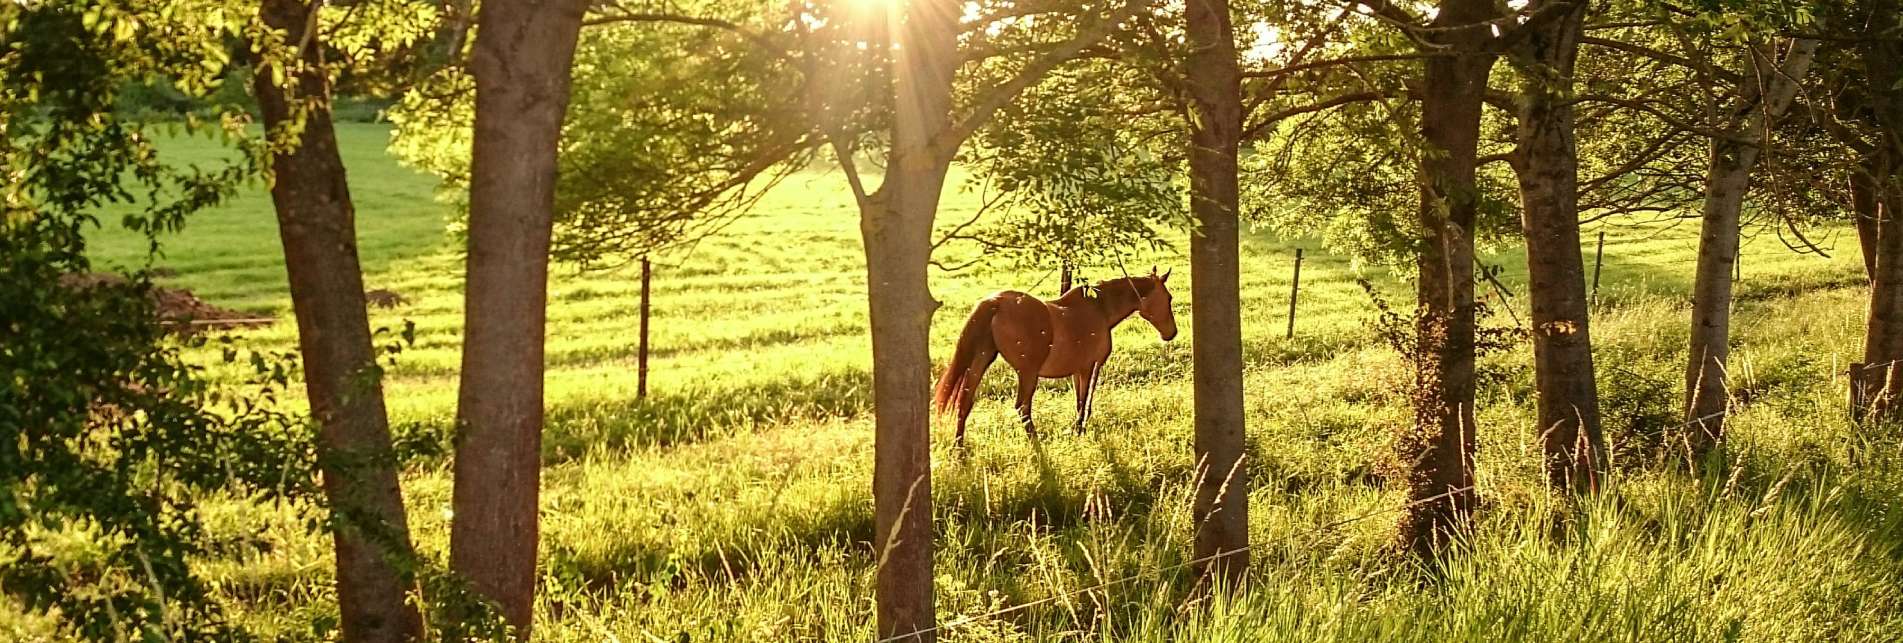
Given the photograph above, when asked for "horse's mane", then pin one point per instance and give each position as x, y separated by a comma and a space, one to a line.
1142, 285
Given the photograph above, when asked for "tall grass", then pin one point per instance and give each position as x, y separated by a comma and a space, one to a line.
733, 504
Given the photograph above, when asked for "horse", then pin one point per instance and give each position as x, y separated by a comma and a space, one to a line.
1065, 337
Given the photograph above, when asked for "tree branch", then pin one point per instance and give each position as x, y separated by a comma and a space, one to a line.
1251, 132
1657, 55
1674, 121
1292, 68
756, 38
989, 102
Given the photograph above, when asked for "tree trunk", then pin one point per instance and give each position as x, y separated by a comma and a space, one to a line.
317, 223
1548, 171
896, 223
523, 51
1883, 335
1441, 450
1882, 374
1727, 180
1222, 490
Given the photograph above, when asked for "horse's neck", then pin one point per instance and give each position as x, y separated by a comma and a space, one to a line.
1117, 300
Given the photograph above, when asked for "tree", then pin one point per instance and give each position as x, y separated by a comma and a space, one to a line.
1764, 88
317, 223
520, 62
109, 434
928, 127
1458, 49
1215, 92
1546, 163
1872, 105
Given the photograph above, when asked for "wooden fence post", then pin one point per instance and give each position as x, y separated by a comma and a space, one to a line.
1295, 289
647, 272
1063, 278
1598, 259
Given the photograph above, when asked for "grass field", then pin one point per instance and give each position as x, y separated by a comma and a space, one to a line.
733, 504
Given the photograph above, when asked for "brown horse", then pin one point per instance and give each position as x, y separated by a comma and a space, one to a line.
1068, 337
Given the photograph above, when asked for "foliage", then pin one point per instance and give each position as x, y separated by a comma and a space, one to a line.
672, 131
1075, 183
111, 436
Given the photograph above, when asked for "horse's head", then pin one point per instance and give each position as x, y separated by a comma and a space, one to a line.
1153, 303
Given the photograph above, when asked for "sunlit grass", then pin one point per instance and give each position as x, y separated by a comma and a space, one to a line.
733, 504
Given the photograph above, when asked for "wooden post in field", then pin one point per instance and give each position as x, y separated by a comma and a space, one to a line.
647, 272
1063, 278
1862, 385
1295, 288
1598, 259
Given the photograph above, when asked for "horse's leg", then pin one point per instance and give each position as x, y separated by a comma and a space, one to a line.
968, 393
1027, 386
1083, 380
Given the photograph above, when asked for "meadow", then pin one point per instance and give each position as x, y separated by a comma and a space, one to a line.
734, 504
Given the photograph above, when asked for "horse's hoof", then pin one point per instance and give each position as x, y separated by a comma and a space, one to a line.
1079, 428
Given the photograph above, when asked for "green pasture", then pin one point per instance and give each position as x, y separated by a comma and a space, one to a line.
734, 503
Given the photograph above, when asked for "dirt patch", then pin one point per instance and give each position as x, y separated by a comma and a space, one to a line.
176, 308
381, 298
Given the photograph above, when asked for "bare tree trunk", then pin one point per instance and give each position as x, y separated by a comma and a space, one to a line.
1063, 277
1883, 335
1222, 490
1441, 449
1727, 180
523, 51
896, 223
1548, 171
317, 224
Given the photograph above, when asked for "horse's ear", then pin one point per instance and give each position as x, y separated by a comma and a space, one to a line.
1152, 270
1166, 275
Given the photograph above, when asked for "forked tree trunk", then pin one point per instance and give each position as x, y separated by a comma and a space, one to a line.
896, 223
523, 51
1883, 335
1548, 171
1440, 451
1222, 490
317, 224
1727, 180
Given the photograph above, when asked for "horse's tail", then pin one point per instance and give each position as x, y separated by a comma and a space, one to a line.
976, 335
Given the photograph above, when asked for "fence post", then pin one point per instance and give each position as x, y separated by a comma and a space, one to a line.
1063, 278
647, 272
1295, 289
1598, 259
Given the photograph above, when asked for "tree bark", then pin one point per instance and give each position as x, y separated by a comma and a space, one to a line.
1727, 180
1222, 491
896, 224
317, 224
1440, 452
1548, 172
1883, 335
522, 54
